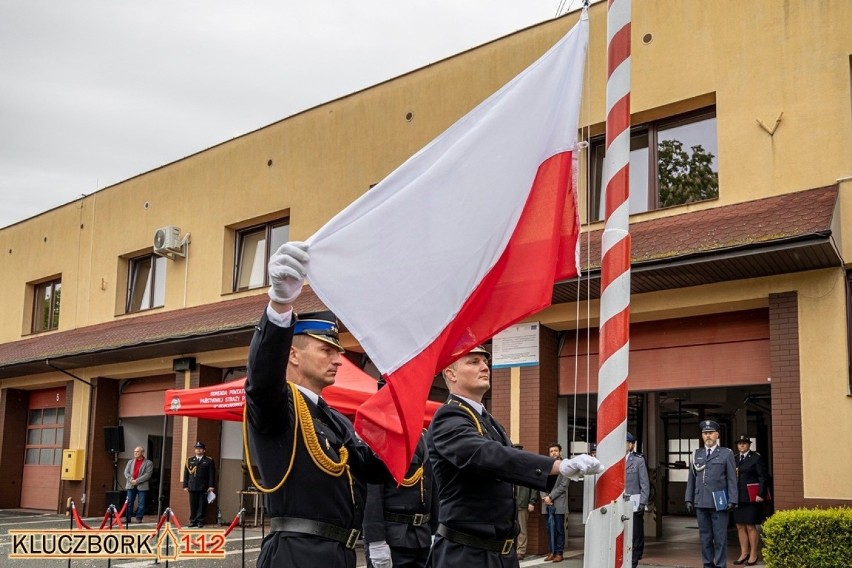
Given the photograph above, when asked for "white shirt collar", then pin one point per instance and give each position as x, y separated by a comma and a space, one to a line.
308, 393
477, 406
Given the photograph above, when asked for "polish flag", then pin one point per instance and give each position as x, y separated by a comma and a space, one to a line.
464, 239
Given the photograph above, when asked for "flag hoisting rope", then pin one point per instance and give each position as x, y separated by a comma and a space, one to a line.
615, 268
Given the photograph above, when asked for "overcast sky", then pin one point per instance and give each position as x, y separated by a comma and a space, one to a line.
93, 92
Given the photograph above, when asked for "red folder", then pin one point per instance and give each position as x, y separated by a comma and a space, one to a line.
753, 489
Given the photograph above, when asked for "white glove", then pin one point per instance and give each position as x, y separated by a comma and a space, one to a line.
287, 269
578, 466
380, 555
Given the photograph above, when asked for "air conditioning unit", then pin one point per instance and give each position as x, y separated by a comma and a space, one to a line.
167, 241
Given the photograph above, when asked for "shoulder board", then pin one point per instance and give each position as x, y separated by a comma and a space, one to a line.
638, 455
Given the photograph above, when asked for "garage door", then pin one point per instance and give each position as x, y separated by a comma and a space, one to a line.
43, 452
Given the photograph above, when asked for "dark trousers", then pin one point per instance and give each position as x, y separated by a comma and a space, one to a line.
404, 557
638, 536
197, 507
555, 530
713, 531
140, 497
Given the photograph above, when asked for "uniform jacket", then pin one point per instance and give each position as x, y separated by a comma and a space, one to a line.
751, 470
474, 473
199, 474
420, 499
145, 473
636, 478
308, 493
716, 474
559, 496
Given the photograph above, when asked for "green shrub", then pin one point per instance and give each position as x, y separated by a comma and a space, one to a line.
809, 538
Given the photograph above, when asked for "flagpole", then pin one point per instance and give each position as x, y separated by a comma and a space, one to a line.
615, 271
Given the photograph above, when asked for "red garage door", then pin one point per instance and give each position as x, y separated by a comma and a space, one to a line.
43, 453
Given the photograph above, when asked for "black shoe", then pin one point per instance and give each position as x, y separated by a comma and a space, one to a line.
741, 561
753, 563
201, 526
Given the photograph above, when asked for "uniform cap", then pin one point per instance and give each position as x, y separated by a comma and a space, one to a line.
479, 349
319, 325
745, 439
200, 445
631, 438
709, 426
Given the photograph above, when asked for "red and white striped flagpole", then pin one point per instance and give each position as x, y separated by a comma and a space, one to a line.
615, 268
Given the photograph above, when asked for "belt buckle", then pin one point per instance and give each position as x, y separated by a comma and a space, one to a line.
353, 536
418, 519
507, 547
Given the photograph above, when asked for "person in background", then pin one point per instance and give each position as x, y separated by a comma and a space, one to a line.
555, 506
636, 483
199, 480
399, 521
138, 472
751, 470
526, 498
711, 492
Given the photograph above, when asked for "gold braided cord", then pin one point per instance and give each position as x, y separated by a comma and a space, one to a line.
191, 470
415, 477
304, 422
472, 415
254, 481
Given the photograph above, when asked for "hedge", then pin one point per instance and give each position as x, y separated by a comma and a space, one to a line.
808, 538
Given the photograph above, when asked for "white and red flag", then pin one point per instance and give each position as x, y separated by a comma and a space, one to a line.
464, 239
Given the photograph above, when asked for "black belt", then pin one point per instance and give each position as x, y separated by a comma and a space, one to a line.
316, 528
504, 547
416, 520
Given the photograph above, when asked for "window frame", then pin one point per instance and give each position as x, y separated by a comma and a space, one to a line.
239, 239
151, 284
54, 303
650, 132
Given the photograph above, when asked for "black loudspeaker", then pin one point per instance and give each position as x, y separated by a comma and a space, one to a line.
114, 439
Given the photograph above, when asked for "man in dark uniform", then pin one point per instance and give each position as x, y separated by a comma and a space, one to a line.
199, 479
711, 491
636, 484
475, 466
312, 465
399, 521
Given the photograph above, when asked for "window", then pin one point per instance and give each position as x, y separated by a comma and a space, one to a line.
672, 162
254, 247
45, 432
46, 305
146, 283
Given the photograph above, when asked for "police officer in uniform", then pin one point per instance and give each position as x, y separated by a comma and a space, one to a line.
199, 479
399, 521
711, 491
636, 483
475, 467
312, 465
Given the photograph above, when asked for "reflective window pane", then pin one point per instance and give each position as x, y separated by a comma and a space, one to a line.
252, 260
686, 161
31, 456
140, 279
60, 415
49, 416
46, 306
34, 417
60, 433
57, 456
45, 456
34, 437
159, 284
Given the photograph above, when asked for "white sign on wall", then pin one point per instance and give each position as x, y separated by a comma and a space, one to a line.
516, 346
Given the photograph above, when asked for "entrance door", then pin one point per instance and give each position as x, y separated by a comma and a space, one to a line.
43, 450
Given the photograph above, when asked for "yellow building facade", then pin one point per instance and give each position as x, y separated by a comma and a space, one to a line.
740, 305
